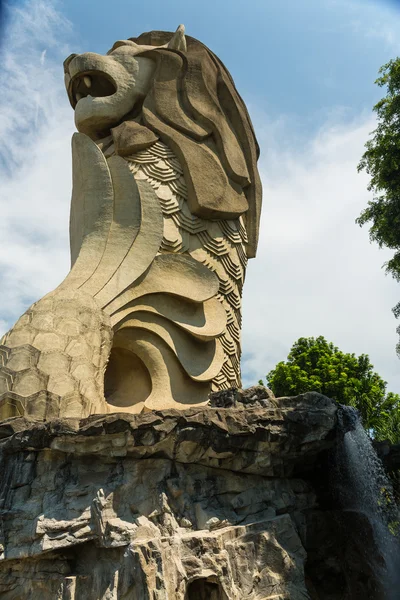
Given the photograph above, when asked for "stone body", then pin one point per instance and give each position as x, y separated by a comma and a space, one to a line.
165, 505
164, 216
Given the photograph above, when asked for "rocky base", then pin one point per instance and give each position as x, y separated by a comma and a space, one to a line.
163, 505
219, 503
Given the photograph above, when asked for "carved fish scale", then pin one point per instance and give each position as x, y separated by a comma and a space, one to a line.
220, 245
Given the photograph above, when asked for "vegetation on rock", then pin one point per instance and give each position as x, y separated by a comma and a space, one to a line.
313, 364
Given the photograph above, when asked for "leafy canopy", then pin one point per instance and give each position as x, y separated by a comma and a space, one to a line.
381, 161
313, 364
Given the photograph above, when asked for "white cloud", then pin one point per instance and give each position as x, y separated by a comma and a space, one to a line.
316, 272
36, 123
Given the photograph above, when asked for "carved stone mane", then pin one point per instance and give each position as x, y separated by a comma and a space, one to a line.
164, 215
194, 107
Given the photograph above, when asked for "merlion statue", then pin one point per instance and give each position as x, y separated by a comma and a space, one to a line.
164, 215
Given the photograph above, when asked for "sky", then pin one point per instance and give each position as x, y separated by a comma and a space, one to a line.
306, 70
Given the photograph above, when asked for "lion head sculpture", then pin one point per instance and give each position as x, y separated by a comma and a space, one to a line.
177, 88
164, 215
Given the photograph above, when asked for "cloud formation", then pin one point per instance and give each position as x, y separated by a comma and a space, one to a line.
316, 273
35, 126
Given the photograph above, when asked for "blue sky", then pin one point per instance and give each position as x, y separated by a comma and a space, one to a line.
306, 69
296, 57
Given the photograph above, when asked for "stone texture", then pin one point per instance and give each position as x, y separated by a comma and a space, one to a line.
57, 366
165, 210
163, 505
257, 395
341, 555
130, 137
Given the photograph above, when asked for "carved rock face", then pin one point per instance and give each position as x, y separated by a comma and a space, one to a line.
103, 89
198, 505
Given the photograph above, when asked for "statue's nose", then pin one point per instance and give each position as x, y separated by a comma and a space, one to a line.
67, 61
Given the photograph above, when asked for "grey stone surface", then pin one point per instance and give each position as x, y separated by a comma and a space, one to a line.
162, 505
257, 395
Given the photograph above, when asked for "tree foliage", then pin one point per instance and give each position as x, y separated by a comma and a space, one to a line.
313, 364
381, 161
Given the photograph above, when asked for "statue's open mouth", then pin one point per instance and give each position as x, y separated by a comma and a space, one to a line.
90, 83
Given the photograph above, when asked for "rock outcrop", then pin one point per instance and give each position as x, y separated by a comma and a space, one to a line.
203, 503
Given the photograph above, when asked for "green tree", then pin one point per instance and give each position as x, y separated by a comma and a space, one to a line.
313, 364
381, 161
389, 428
